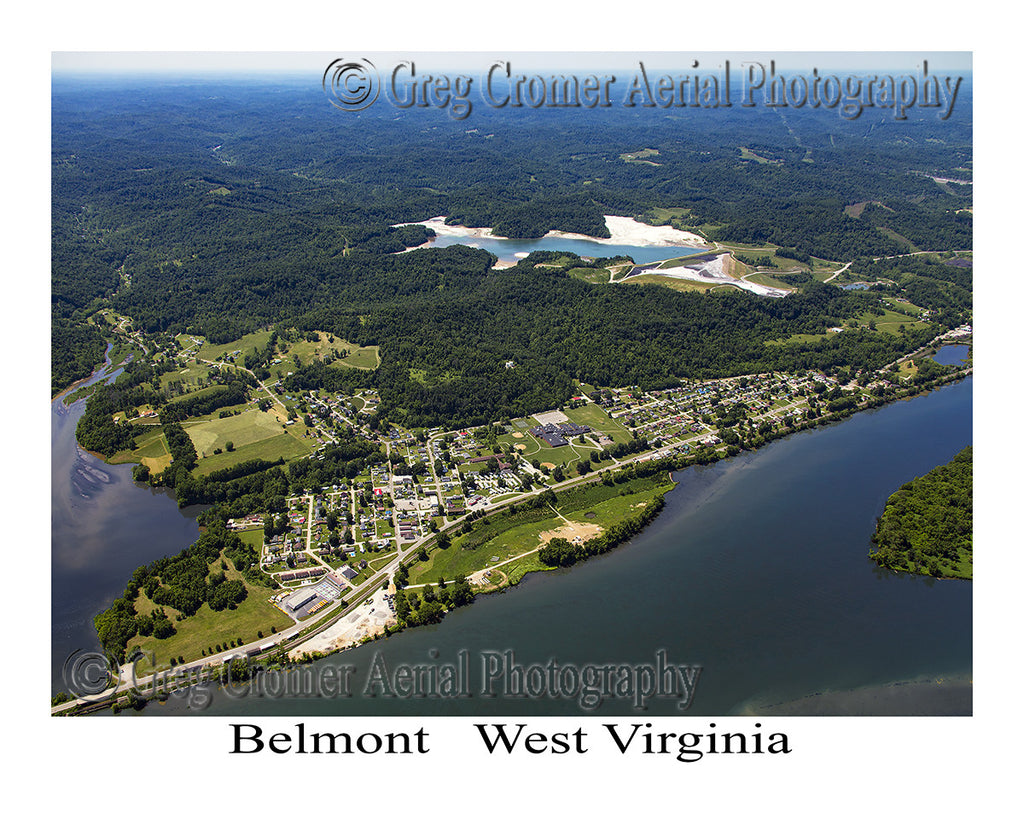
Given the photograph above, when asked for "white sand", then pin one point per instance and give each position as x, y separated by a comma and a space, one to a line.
623, 230
351, 628
626, 231
712, 271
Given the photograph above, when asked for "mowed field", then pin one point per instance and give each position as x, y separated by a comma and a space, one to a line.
206, 628
599, 421
361, 358
245, 428
510, 542
150, 449
244, 346
253, 434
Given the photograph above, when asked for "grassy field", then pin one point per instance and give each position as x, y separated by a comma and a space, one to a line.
360, 358
769, 280
250, 426
888, 323
746, 153
541, 451
206, 628
244, 346
662, 216
150, 449
190, 376
598, 420
590, 274
153, 451
284, 445
667, 281
505, 538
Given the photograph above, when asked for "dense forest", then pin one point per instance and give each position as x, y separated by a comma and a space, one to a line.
927, 523
218, 209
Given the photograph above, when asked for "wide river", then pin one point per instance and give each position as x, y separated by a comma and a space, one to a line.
756, 570
103, 526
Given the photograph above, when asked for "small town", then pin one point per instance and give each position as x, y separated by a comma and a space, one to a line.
337, 543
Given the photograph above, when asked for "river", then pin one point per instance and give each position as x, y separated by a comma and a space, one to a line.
756, 570
103, 526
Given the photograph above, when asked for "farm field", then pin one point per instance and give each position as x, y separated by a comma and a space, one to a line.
244, 346
250, 426
285, 445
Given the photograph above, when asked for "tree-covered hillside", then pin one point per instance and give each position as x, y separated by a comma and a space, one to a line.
927, 523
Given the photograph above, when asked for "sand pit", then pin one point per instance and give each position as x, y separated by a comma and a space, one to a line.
363, 621
571, 531
623, 230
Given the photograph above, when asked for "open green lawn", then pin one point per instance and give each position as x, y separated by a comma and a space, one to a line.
206, 628
211, 390
589, 274
362, 358
283, 445
190, 375
150, 449
599, 421
244, 346
890, 322
154, 453
250, 426
510, 540
543, 452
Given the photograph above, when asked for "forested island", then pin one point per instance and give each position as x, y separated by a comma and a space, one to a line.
926, 527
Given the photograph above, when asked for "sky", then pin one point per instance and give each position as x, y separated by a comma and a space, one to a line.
283, 62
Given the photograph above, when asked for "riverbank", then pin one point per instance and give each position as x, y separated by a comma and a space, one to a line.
367, 622
96, 373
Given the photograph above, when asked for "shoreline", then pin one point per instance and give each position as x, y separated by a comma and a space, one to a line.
97, 370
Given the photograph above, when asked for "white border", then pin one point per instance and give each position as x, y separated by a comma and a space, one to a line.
928, 766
